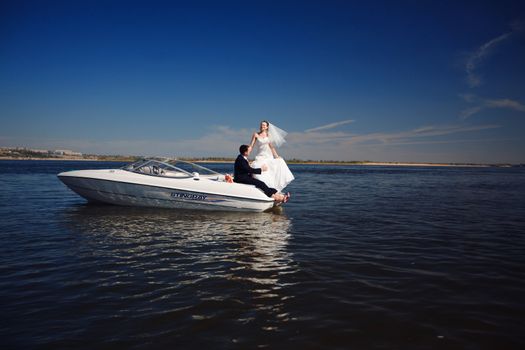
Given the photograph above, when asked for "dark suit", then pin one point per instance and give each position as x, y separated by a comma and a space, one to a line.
243, 174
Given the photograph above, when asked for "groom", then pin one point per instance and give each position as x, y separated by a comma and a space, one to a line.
243, 174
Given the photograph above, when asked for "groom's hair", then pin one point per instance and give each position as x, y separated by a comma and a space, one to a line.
243, 149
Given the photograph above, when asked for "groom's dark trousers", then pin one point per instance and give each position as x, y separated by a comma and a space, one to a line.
243, 174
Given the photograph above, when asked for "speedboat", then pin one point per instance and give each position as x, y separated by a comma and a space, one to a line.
166, 183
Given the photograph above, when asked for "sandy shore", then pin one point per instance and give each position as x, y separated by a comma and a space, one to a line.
425, 164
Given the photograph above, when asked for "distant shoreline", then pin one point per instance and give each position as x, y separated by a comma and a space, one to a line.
357, 163
65, 159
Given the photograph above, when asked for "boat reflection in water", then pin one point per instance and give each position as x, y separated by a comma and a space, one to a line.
227, 267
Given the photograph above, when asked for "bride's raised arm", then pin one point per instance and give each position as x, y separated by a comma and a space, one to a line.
252, 142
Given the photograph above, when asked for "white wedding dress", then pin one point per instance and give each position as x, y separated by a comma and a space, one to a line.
278, 175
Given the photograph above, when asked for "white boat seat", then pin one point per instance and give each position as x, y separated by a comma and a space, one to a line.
170, 173
146, 170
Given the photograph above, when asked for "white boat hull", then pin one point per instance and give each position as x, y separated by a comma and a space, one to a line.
121, 187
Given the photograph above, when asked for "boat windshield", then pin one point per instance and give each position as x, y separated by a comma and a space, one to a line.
169, 168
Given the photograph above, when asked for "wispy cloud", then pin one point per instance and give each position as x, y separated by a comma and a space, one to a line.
446, 142
506, 103
476, 58
419, 133
470, 111
404, 145
331, 125
339, 142
482, 104
340, 137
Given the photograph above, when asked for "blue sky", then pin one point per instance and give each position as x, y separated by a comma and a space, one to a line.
438, 81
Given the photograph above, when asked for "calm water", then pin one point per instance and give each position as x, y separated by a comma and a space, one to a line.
361, 258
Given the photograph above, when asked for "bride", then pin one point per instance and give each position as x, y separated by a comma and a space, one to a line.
269, 137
